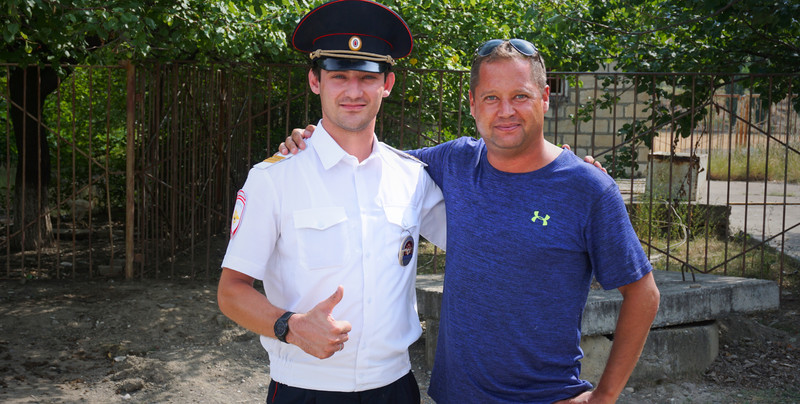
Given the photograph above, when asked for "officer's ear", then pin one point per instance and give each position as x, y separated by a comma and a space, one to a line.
313, 81
388, 84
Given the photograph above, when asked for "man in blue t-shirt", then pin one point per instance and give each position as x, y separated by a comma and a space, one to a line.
529, 227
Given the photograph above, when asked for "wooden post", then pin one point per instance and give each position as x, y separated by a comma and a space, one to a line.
129, 166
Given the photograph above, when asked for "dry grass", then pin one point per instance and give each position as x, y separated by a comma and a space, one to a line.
738, 256
755, 166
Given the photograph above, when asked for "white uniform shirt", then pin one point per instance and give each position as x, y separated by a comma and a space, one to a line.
321, 219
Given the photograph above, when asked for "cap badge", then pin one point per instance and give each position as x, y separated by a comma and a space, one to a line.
355, 43
406, 250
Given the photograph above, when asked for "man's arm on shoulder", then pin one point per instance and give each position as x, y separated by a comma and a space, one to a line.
296, 142
588, 159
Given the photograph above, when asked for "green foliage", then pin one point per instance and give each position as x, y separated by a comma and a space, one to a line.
86, 133
87, 31
577, 35
447, 32
89, 137
741, 36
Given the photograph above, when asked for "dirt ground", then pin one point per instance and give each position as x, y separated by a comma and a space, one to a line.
107, 341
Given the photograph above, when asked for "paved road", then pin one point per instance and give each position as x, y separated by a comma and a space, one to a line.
749, 213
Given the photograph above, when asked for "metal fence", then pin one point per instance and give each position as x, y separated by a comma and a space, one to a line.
145, 160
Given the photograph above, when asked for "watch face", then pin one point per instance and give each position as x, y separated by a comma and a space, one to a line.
280, 328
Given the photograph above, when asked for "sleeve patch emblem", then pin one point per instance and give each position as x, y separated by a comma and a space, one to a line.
238, 211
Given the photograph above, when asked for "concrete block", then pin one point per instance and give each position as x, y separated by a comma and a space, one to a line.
759, 297
605, 140
616, 125
583, 139
600, 127
595, 355
608, 113
564, 127
429, 295
685, 302
668, 352
671, 175
637, 107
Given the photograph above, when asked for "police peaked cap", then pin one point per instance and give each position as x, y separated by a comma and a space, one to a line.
353, 35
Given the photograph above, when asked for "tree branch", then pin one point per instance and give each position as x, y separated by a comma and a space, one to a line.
769, 38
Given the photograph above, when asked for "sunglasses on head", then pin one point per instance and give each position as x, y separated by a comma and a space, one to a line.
522, 46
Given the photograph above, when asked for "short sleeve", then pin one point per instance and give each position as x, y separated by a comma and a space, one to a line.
434, 157
614, 249
254, 240
433, 217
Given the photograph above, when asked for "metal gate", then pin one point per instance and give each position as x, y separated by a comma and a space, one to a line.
146, 161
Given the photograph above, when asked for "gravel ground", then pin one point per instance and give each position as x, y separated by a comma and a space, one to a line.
109, 341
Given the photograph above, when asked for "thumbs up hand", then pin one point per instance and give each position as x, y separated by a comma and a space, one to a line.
317, 332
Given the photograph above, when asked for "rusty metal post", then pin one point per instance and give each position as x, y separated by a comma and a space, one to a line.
129, 165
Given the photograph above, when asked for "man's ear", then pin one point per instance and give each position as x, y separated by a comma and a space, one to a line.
313, 81
471, 104
546, 98
388, 84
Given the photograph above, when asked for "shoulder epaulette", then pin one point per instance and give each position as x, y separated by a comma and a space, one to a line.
275, 158
404, 155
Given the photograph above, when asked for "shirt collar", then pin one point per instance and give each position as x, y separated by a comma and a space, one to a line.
329, 152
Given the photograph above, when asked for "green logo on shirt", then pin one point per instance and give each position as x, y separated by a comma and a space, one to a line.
544, 219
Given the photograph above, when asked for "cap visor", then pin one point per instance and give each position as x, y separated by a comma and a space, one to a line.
335, 65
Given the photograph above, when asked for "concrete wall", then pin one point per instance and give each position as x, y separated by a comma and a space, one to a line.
598, 134
668, 353
684, 338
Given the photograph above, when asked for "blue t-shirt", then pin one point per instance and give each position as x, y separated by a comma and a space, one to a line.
521, 253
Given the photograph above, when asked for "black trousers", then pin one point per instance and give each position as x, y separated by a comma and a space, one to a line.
402, 391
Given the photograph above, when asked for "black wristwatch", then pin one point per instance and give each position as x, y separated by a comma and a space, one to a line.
281, 327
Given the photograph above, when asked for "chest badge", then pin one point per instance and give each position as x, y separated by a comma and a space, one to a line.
406, 250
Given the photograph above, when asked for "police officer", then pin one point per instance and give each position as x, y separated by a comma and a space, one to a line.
333, 232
